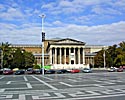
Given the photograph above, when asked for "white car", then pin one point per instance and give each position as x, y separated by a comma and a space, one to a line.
87, 70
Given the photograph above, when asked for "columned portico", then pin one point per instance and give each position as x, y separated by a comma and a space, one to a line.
67, 54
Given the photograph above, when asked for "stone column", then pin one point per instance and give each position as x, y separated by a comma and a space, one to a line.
69, 55
55, 55
60, 56
79, 56
74, 56
83, 56
50, 54
64, 55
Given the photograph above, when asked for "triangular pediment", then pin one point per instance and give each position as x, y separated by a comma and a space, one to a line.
67, 41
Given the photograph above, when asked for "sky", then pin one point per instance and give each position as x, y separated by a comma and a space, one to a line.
95, 22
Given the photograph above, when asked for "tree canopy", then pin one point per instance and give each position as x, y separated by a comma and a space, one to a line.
115, 56
16, 57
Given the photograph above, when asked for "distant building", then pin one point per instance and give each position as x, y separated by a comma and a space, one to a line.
64, 53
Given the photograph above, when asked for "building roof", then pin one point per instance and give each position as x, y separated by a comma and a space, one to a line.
67, 41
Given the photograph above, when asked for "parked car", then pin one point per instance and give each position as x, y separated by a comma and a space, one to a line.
123, 67
39, 71
19, 72
7, 72
75, 71
61, 71
30, 71
120, 70
112, 69
87, 70
1, 72
50, 71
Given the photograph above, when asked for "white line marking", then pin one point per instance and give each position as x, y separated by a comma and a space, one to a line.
66, 84
95, 97
29, 85
41, 95
25, 78
59, 95
35, 97
47, 78
8, 82
108, 82
52, 87
73, 80
105, 82
1, 77
2, 90
9, 96
22, 97
98, 85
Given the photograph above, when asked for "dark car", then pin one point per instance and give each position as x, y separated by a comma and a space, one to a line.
19, 72
30, 71
39, 71
1, 71
61, 71
51, 71
7, 72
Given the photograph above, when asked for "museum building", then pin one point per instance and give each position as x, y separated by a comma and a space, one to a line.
64, 53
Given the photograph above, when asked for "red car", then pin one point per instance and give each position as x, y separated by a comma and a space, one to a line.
7, 72
75, 71
120, 70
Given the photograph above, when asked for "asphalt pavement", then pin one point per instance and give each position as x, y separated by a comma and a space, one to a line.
76, 86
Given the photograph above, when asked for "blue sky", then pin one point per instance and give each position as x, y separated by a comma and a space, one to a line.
95, 22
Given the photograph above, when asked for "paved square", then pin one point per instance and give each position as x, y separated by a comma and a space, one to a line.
80, 86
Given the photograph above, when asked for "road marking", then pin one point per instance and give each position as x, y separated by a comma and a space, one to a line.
25, 78
98, 85
108, 82
66, 84
1, 77
73, 80
52, 87
98, 81
2, 90
29, 85
105, 82
8, 82
9, 96
43, 97
47, 78
59, 95
95, 97
22, 97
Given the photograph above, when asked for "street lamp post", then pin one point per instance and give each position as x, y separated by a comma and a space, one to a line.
43, 39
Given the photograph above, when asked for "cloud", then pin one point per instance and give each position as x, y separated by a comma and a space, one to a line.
11, 14
91, 21
107, 34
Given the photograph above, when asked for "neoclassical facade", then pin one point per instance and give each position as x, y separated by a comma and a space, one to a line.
64, 53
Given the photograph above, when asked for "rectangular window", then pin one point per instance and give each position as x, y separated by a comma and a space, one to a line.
72, 61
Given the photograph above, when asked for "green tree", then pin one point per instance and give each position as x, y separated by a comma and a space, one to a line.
18, 59
99, 59
29, 59
112, 54
7, 58
120, 59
